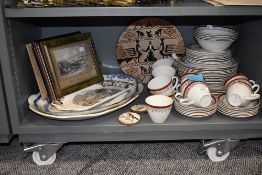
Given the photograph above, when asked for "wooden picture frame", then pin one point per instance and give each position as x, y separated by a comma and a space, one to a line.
70, 64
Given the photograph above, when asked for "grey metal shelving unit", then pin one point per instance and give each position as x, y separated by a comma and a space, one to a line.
22, 25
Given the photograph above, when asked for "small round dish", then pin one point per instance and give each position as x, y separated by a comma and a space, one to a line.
140, 108
129, 118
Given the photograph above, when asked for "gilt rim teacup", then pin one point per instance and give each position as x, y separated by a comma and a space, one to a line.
159, 107
240, 93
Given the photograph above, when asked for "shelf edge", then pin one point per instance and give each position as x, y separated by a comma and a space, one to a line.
131, 11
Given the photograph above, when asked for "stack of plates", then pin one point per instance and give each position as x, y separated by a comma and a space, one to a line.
195, 54
238, 112
74, 115
114, 88
216, 67
216, 39
196, 112
115, 92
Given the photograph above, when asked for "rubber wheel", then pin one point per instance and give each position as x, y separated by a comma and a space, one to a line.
212, 154
38, 161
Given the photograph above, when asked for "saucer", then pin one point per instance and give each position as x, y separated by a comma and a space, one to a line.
196, 112
129, 118
139, 108
238, 112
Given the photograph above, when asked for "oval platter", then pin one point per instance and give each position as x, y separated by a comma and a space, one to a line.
87, 114
144, 42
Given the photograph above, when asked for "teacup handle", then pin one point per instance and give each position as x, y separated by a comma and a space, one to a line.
175, 88
175, 79
185, 102
257, 87
252, 82
253, 97
179, 97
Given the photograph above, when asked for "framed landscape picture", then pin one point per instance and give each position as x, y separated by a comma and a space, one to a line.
71, 63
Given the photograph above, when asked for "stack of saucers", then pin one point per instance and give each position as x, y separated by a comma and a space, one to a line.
238, 112
196, 112
216, 39
216, 67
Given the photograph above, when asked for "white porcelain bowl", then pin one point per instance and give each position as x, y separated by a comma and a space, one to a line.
163, 70
215, 45
159, 107
163, 62
215, 33
216, 30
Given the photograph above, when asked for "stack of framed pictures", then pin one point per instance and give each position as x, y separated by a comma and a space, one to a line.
64, 64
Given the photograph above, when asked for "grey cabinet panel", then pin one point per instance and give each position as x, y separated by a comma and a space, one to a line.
5, 132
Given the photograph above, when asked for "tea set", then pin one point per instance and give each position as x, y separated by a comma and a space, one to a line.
207, 80
193, 99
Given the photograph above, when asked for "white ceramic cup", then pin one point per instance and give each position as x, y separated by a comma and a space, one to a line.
240, 93
235, 77
159, 107
163, 85
198, 95
163, 62
185, 81
163, 70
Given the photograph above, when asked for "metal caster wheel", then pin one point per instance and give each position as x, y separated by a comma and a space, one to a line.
38, 161
212, 154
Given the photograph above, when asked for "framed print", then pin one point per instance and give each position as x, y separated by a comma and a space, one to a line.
37, 72
71, 63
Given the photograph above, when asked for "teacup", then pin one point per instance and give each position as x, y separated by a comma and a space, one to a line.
248, 82
159, 107
234, 77
163, 62
185, 81
196, 93
240, 93
164, 85
163, 70
186, 75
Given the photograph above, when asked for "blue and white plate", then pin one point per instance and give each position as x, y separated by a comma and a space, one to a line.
81, 115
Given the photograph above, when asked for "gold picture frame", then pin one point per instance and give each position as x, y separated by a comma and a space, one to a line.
71, 63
